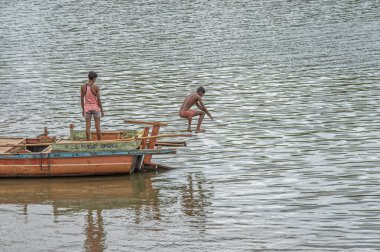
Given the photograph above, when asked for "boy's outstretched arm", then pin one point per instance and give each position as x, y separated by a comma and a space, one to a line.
201, 106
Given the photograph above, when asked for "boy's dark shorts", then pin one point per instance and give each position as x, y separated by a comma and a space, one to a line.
89, 113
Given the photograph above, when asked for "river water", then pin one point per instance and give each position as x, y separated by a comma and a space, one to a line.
290, 163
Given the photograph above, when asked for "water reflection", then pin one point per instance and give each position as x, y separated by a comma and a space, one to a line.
95, 235
68, 196
194, 198
75, 194
134, 198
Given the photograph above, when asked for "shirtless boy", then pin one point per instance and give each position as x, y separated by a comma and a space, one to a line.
186, 112
91, 104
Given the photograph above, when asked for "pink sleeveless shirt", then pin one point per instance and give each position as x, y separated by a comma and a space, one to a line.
90, 100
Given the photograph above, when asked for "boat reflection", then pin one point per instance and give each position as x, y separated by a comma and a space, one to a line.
74, 194
92, 196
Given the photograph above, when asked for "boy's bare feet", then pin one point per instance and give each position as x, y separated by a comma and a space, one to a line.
199, 130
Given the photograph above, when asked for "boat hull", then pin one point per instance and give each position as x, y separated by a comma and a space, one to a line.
74, 163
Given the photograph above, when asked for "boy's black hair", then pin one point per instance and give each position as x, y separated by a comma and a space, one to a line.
201, 90
92, 75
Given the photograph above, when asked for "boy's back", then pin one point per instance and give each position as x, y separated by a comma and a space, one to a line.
190, 100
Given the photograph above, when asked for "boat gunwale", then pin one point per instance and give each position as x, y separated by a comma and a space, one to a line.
38, 155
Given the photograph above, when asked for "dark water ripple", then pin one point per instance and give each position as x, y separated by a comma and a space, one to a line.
290, 163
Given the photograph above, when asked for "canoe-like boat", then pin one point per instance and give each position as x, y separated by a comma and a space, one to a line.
119, 152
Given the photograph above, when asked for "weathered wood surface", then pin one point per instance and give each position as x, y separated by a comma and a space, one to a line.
95, 146
74, 163
171, 143
144, 122
78, 135
6, 144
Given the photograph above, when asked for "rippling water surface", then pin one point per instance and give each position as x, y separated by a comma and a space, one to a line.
290, 163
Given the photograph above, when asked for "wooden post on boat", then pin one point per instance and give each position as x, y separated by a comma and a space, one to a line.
143, 141
152, 140
72, 132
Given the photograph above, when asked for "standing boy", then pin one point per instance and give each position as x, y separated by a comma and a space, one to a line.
186, 112
91, 104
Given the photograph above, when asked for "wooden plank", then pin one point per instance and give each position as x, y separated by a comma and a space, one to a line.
80, 135
16, 149
6, 144
152, 142
171, 144
47, 150
145, 122
95, 147
146, 133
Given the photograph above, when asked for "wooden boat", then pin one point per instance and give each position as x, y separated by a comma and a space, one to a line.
119, 152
